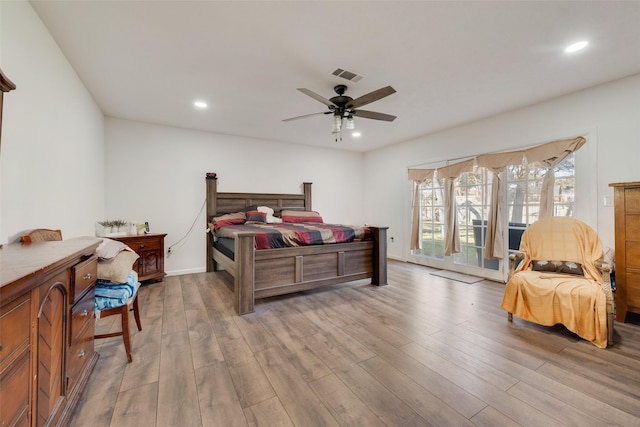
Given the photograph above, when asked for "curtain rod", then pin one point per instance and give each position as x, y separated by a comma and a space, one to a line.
445, 161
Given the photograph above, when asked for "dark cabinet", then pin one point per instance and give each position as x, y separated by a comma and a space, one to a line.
150, 247
627, 247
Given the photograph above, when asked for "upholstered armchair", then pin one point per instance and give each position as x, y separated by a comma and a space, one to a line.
562, 278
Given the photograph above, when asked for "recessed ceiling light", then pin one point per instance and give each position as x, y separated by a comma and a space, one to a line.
576, 46
200, 104
356, 134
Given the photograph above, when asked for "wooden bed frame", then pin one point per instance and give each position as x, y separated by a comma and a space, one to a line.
269, 272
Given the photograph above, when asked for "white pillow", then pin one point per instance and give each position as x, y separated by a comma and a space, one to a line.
270, 218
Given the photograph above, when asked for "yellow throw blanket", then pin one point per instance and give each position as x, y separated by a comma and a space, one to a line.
547, 298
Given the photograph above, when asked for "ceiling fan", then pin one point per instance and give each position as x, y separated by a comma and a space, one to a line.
344, 107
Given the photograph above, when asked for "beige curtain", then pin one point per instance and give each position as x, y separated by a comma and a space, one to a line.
451, 235
494, 243
418, 176
546, 194
421, 175
549, 155
451, 232
416, 225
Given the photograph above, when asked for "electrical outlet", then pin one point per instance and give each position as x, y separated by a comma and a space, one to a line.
608, 200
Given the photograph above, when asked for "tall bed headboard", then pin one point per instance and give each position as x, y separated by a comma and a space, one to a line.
231, 202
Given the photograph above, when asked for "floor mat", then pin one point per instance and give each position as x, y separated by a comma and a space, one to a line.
457, 276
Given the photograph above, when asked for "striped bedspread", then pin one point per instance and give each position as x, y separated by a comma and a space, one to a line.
270, 236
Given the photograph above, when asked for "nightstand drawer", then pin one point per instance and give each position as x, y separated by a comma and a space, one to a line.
144, 244
82, 313
84, 276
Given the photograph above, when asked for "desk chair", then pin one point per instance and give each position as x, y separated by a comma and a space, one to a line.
41, 235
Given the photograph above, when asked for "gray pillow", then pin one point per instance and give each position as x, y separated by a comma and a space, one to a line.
565, 267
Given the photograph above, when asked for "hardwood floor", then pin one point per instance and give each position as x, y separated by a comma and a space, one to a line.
422, 351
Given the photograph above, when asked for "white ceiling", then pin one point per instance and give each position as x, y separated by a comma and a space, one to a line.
450, 61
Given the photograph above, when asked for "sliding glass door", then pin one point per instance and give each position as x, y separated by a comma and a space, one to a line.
521, 201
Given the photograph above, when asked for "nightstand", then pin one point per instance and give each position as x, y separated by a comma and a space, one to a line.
150, 247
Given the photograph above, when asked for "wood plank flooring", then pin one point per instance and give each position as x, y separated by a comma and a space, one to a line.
422, 351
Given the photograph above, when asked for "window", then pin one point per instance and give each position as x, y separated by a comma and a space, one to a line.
432, 219
524, 184
473, 195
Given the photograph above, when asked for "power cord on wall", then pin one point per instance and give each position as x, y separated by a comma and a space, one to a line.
184, 238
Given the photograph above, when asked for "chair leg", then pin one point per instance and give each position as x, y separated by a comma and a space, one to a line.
610, 317
136, 313
125, 332
510, 317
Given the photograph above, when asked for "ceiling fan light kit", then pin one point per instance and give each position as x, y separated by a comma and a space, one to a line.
337, 124
344, 107
350, 123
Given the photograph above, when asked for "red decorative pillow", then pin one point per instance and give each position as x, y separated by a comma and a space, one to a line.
300, 216
255, 217
228, 219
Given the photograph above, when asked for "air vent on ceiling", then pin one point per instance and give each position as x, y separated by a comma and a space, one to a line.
351, 76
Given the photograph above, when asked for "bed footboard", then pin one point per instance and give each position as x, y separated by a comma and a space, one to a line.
265, 273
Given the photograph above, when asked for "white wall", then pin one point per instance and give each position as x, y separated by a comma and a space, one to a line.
157, 174
609, 116
52, 158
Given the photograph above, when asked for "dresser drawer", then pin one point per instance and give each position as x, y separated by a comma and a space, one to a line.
142, 244
632, 226
14, 394
632, 199
15, 323
81, 314
633, 287
79, 353
632, 254
84, 275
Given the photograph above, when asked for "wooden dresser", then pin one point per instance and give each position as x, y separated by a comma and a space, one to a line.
627, 247
46, 329
150, 247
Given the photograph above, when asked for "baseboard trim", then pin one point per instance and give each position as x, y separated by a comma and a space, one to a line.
186, 271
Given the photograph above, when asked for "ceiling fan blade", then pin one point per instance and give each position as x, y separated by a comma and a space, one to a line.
373, 115
304, 116
317, 97
371, 97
